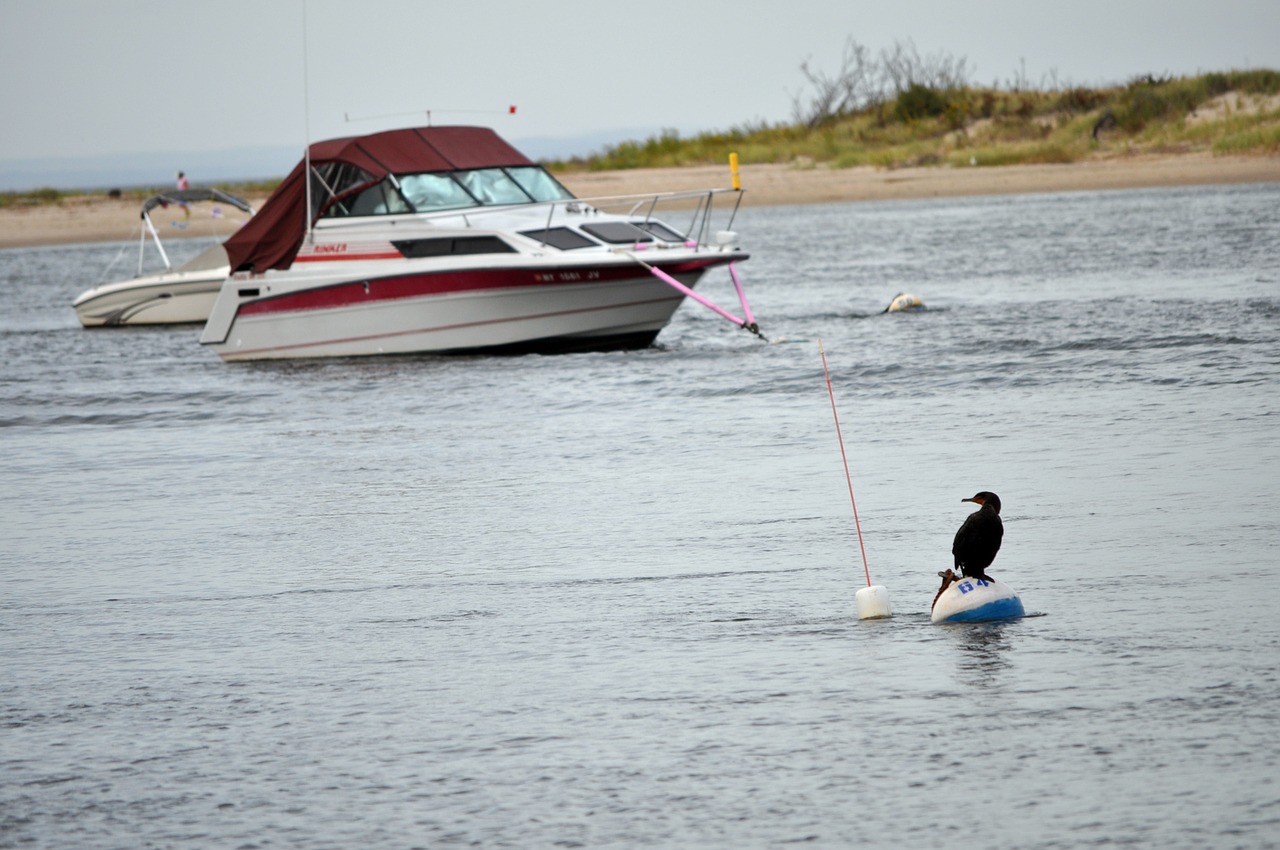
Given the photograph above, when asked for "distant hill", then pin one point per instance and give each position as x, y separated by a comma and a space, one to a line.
123, 171
119, 171
1232, 113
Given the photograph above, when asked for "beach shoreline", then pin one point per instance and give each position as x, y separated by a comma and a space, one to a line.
102, 219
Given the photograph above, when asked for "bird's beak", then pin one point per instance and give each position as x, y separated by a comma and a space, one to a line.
975, 500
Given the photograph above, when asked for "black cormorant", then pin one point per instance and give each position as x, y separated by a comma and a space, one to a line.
978, 539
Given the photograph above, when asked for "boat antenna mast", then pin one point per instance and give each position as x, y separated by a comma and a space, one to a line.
349, 118
306, 120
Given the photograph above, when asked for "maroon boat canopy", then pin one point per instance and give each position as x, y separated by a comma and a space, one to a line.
270, 240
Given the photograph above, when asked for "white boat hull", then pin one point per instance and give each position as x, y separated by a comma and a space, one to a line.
618, 305
160, 299
970, 600
181, 295
447, 239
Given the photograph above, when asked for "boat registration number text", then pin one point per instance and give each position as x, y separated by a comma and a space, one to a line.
567, 276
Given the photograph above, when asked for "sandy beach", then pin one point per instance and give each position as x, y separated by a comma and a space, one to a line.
94, 219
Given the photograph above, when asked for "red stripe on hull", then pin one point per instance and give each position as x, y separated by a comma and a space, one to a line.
446, 283
339, 258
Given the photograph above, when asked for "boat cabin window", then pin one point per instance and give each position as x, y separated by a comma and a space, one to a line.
631, 231
452, 246
332, 180
660, 231
540, 185
617, 232
493, 186
382, 199
431, 192
560, 237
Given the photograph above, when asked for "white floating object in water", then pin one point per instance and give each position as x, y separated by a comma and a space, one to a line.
904, 301
973, 600
873, 603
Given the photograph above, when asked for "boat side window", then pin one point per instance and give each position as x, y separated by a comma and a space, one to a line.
560, 237
617, 232
331, 181
493, 186
659, 231
382, 199
431, 192
540, 185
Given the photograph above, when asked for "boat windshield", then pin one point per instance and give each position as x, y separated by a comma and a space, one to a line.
493, 186
453, 190
431, 192
540, 185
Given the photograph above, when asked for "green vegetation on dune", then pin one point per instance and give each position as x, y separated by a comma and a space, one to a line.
39, 197
33, 198
1235, 112
904, 109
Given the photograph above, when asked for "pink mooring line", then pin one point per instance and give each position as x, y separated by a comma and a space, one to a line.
844, 457
748, 324
680, 287
742, 296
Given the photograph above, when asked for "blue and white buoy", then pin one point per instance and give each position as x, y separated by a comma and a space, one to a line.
975, 600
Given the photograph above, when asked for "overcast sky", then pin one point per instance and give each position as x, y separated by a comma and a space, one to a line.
90, 78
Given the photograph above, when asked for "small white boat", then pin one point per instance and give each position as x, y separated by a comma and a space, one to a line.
184, 294
973, 600
447, 239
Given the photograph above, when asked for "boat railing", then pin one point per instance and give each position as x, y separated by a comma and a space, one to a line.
703, 208
699, 204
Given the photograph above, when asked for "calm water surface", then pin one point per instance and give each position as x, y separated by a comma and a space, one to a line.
606, 600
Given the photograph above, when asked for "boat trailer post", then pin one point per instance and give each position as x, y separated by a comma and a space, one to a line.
680, 287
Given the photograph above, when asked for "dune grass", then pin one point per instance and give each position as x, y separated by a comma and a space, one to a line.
1222, 113
137, 194
1235, 112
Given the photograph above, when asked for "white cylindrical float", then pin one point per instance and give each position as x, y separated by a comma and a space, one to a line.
873, 603
975, 600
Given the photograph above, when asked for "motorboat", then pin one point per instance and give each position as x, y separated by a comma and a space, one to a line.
448, 239
176, 295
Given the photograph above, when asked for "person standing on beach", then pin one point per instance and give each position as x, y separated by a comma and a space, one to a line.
186, 210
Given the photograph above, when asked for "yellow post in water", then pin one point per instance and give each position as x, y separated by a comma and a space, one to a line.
733, 169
